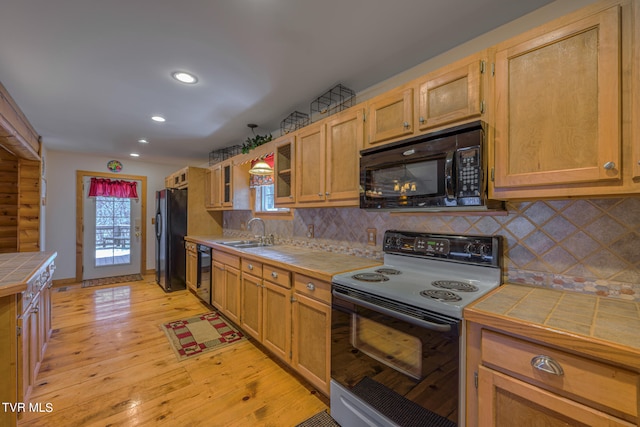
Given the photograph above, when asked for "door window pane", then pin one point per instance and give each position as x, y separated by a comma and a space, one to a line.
113, 231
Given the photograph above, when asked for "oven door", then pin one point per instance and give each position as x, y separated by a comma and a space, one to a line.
387, 369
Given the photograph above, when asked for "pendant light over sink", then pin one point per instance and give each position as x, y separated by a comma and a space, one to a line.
261, 167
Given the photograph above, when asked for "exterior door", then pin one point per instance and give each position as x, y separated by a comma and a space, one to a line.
112, 237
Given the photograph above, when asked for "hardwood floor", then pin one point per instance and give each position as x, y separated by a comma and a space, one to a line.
109, 364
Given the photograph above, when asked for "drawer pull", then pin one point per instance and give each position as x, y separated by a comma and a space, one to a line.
311, 286
547, 364
250, 266
274, 274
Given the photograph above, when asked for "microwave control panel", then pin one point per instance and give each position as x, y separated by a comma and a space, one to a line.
469, 172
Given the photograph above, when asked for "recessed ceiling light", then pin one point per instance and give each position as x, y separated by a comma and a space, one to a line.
183, 77
143, 141
158, 119
134, 155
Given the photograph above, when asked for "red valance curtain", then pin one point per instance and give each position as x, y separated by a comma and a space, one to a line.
259, 180
113, 188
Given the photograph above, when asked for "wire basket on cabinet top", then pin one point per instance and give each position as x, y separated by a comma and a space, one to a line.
294, 121
332, 101
216, 156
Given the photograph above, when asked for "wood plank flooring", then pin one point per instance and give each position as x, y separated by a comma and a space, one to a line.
109, 363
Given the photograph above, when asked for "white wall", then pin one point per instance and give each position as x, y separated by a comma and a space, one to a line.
60, 219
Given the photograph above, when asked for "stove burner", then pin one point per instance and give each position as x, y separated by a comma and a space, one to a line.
370, 277
455, 285
440, 295
389, 271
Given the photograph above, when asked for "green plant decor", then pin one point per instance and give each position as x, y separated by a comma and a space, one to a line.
254, 142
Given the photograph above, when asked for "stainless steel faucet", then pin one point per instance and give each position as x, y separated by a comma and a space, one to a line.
263, 239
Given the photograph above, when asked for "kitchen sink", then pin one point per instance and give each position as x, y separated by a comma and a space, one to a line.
243, 243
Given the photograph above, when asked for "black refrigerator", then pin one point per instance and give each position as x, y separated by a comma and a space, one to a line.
171, 227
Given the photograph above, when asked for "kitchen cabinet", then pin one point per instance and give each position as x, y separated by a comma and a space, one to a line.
16, 133
284, 166
453, 94
276, 317
25, 328
228, 186
390, 116
563, 107
225, 284
191, 273
328, 155
311, 328
520, 380
252, 302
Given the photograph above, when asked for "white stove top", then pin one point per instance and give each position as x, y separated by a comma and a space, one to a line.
417, 275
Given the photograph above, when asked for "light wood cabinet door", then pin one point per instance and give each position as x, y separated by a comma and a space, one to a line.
284, 165
310, 157
345, 139
232, 293
558, 96
311, 355
251, 309
215, 186
505, 401
227, 184
452, 94
191, 274
218, 285
276, 315
390, 116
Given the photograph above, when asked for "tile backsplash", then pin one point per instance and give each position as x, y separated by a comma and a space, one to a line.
585, 245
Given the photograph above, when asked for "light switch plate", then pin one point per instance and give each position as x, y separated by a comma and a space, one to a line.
371, 236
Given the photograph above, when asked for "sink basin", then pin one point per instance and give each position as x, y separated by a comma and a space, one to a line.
243, 243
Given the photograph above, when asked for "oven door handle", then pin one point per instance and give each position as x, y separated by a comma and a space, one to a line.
409, 319
448, 175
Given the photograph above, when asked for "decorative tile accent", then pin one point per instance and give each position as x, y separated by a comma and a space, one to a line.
586, 245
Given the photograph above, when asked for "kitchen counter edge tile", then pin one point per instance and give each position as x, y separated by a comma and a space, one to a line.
16, 269
602, 327
320, 264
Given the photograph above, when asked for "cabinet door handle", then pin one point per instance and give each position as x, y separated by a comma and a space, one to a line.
609, 165
274, 274
546, 364
421, 120
319, 194
311, 286
250, 266
327, 193
405, 125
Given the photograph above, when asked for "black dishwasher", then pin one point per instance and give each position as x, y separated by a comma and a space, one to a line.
204, 273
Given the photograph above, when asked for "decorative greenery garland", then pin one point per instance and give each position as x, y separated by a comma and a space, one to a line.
254, 142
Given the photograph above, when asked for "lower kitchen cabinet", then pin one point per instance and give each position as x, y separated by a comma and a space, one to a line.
251, 307
311, 355
276, 332
225, 284
191, 274
527, 382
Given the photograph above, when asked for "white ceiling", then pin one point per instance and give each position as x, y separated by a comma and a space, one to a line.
89, 74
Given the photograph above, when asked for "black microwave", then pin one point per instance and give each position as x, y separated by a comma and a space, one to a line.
436, 171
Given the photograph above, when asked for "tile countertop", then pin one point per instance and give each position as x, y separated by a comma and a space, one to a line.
602, 327
320, 264
16, 269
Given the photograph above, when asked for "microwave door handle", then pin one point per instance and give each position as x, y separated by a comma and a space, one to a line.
409, 319
448, 172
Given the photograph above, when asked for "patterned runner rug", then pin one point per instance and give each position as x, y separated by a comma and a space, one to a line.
111, 280
199, 334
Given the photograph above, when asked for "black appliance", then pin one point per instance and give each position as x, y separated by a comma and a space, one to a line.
171, 227
397, 330
436, 171
203, 287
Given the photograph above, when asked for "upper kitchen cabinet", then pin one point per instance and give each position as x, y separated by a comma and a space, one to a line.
327, 159
284, 170
390, 116
453, 93
228, 186
565, 123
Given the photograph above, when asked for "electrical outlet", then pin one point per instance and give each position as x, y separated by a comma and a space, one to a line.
243, 225
310, 231
371, 236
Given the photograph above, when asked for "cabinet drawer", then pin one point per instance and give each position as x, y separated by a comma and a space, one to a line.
599, 384
318, 289
276, 275
252, 267
225, 258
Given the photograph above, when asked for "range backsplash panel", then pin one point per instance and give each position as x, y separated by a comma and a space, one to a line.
585, 245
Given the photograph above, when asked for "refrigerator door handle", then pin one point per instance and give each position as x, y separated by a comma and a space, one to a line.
158, 225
